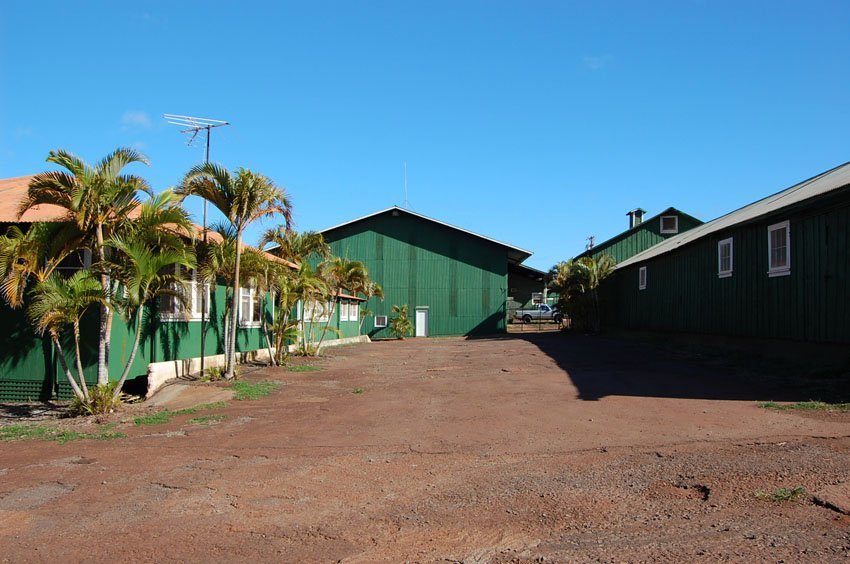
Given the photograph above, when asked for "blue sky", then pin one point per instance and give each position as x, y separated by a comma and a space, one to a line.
535, 123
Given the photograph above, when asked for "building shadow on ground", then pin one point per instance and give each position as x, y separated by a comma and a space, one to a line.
601, 366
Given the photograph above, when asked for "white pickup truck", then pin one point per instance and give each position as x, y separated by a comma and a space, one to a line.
539, 312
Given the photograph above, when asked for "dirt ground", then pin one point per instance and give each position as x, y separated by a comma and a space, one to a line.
525, 448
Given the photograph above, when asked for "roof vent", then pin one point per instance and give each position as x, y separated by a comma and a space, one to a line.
635, 217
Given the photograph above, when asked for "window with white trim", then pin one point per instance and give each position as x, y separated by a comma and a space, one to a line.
642, 278
343, 310
779, 249
354, 311
316, 311
669, 224
250, 307
171, 308
380, 321
724, 258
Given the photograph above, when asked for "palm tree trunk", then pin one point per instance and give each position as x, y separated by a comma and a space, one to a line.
61, 354
105, 326
327, 324
120, 384
234, 314
78, 360
266, 333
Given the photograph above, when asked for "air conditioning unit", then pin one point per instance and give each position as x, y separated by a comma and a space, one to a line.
380, 321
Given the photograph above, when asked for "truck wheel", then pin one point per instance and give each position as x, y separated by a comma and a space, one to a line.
558, 319
526, 319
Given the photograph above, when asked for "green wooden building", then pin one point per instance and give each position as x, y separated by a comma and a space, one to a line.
454, 282
778, 268
643, 234
171, 338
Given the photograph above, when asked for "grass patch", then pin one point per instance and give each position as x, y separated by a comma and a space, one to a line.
162, 417
781, 494
48, 433
805, 406
207, 419
253, 390
357, 391
304, 368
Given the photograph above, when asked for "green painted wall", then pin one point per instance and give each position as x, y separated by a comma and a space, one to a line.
29, 371
684, 293
640, 238
461, 279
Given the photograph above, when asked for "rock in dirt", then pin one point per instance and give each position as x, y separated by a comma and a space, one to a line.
835, 497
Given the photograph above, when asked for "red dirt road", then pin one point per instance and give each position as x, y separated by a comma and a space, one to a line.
522, 448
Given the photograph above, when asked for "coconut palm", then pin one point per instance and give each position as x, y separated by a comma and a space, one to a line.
98, 200
58, 303
243, 197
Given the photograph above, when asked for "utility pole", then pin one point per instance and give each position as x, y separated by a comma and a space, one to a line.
194, 125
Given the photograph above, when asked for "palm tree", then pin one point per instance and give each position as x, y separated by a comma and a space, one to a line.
59, 302
243, 197
342, 274
98, 200
33, 255
401, 325
295, 247
146, 272
577, 282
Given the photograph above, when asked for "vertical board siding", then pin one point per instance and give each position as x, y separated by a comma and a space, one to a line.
460, 278
684, 292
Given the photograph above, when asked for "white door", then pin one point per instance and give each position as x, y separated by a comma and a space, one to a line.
421, 322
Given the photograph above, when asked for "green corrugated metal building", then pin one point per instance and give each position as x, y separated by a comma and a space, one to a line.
455, 282
643, 234
778, 268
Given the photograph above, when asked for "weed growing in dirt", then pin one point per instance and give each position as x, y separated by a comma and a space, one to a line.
161, 417
47, 433
781, 494
304, 368
207, 419
253, 390
357, 391
806, 406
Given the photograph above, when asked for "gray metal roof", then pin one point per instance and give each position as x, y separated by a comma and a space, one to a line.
515, 254
830, 180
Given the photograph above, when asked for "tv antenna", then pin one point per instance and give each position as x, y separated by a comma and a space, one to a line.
590, 242
192, 126
406, 201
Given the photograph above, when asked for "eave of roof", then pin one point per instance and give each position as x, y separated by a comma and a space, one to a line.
620, 236
525, 270
515, 254
833, 179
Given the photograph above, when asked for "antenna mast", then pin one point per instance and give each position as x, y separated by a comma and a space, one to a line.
406, 201
192, 126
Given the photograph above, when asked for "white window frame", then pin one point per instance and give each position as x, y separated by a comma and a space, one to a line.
675, 219
720, 244
385, 318
253, 299
343, 310
312, 307
195, 292
642, 278
354, 310
785, 269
